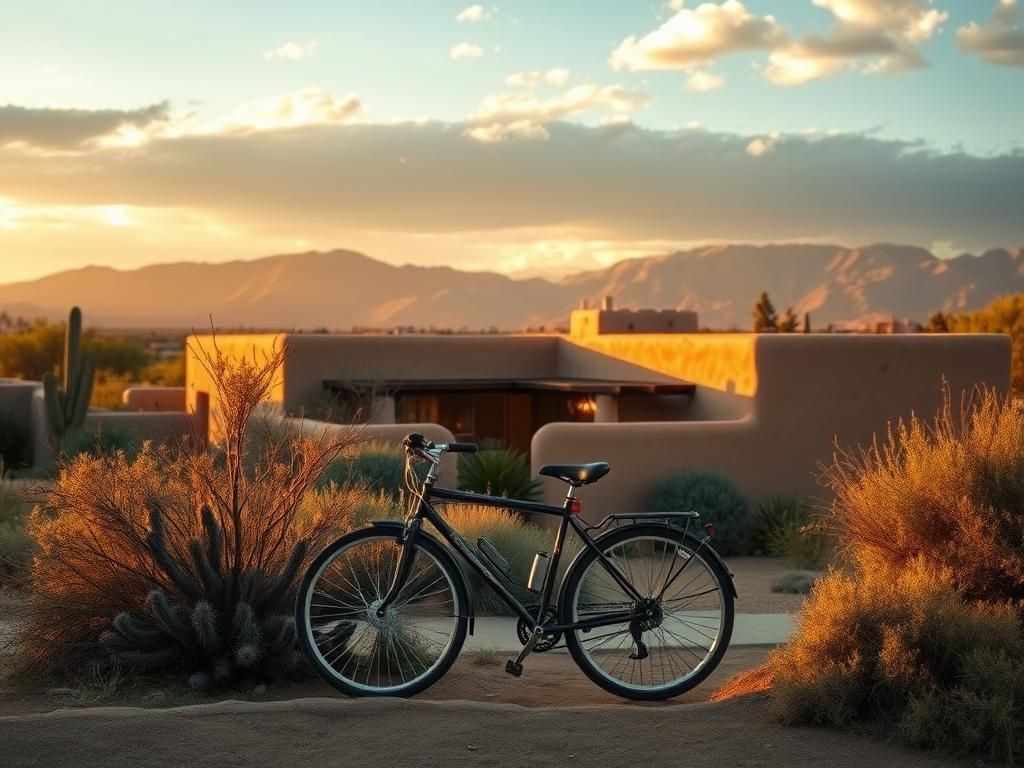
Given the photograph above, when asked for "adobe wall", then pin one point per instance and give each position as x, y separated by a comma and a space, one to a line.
802, 391
314, 359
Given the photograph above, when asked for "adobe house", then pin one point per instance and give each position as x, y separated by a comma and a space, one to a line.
639, 389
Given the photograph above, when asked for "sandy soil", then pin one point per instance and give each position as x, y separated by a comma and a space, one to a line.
549, 680
753, 577
426, 733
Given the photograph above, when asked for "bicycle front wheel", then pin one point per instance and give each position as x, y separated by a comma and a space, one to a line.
401, 653
687, 604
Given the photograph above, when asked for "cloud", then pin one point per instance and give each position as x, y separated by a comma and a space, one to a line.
557, 76
696, 36
308, 106
870, 36
763, 146
474, 14
466, 51
524, 112
319, 182
292, 51
701, 81
67, 129
1000, 40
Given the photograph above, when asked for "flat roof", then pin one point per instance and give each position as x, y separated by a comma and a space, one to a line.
582, 386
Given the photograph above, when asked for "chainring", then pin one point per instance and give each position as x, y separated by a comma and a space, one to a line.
548, 640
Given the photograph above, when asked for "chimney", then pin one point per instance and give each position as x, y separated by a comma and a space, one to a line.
607, 304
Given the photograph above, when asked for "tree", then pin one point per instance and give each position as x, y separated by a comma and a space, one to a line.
1005, 315
807, 322
940, 322
787, 323
765, 319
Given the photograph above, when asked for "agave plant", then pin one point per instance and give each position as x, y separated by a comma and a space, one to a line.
502, 472
223, 625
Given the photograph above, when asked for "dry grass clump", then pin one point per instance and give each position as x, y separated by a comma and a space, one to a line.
922, 636
905, 654
184, 557
950, 492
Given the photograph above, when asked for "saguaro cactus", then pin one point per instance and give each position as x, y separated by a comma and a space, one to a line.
68, 403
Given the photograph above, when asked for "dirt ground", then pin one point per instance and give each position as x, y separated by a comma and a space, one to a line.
430, 733
753, 577
549, 680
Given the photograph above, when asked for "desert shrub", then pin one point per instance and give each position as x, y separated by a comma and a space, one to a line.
102, 441
181, 559
715, 498
16, 546
165, 373
904, 648
374, 465
795, 582
784, 526
14, 442
950, 491
924, 630
500, 472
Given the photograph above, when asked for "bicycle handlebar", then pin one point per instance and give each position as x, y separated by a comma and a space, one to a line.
415, 443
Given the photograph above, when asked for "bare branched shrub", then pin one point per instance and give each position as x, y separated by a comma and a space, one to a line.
184, 557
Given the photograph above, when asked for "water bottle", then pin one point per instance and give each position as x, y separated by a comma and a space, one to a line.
538, 572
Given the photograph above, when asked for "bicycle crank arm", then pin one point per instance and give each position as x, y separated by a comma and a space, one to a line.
515, 668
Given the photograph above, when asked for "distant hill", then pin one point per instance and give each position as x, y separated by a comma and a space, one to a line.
342, 289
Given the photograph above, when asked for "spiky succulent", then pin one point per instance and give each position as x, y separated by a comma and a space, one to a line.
220, 623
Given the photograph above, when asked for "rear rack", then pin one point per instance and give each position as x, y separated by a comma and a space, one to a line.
643, 516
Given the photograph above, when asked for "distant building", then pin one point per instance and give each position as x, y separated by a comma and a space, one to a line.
641, 389
893, 325
607, 319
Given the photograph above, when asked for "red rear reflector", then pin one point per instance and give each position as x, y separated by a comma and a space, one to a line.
709, 529
577, 507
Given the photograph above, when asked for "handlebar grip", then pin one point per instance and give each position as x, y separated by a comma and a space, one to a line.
462, 448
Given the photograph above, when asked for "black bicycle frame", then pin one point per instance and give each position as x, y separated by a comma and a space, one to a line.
426, 511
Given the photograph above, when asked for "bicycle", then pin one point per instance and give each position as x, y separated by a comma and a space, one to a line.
385, 610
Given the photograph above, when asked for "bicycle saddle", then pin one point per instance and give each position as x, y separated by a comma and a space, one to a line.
577, 474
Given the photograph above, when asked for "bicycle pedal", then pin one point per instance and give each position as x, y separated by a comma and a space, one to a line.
511, 668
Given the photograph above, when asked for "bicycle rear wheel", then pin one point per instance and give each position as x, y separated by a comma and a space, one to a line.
688, 592
401, 653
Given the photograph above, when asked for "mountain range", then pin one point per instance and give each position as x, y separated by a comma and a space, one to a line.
343, 289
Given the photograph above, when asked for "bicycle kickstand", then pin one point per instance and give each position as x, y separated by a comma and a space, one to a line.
515, 668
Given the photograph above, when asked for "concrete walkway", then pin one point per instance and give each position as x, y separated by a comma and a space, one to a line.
498, 633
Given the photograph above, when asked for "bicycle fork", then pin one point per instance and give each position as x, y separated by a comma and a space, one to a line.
404, 566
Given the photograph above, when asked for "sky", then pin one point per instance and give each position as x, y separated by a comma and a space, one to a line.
525, 137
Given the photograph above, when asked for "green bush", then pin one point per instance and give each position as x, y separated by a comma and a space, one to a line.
715, 498
102, 441
501, 472
374, 465
784, 526
14, 442
904, 649
16, 546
